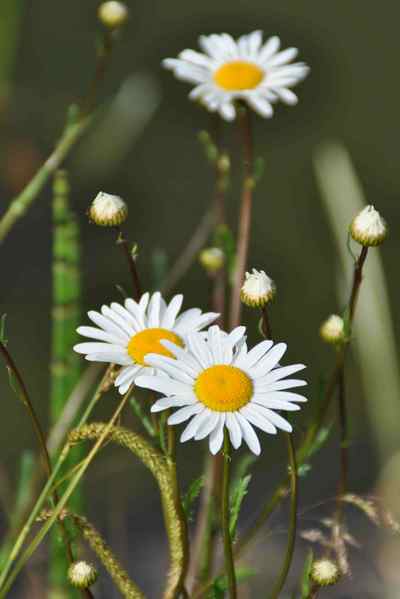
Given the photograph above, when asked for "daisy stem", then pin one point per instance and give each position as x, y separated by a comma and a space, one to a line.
245, 215
293, 519
123, 242
344, 442
225, 517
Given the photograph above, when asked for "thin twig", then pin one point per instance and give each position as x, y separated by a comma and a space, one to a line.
189, 253
122, 241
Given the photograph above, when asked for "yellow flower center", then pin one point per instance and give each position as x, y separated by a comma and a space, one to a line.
148, 342
238, 75
223, 388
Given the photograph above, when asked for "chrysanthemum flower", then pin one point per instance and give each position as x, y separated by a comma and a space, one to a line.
217, 382
126, 334
245, 69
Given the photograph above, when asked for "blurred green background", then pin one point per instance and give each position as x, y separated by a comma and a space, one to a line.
147, 152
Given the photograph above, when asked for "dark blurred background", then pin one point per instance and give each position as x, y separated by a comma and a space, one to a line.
146, 150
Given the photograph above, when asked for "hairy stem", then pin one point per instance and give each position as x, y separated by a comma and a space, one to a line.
225, 517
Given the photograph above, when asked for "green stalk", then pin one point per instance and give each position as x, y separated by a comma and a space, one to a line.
65, 363
225, 517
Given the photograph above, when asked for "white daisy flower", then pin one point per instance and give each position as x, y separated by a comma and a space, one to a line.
126, 334
217, 382
245, 69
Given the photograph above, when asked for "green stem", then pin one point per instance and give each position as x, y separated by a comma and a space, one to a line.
48, 487
6, 581
293, 520
137, 288
20, 204
225, 516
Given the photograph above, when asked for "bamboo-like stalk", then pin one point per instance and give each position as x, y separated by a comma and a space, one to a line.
65, 363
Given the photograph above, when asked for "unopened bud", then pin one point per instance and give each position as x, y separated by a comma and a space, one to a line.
212, 259
82, 575
113, 14
258, 289
333, 330
368, 227
108, 210
324, 572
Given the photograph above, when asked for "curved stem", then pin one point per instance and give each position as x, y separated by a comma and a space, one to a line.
293, 520
245, 215
344, 445
225, 513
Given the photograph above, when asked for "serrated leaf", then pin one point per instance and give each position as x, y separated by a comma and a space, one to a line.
144, 419
243, 466
191, 494
237, 496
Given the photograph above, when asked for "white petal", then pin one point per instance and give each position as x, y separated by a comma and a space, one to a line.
173, 402
236, 335
287, 96
185, 413
227, 111
111, 357
254, 415
215, 344
107, 324
127, 374
162, 384
279, 373
254, 42
136, 310
172, 312
276, 404
171, 367
94, 333
217, 436
235, 432
287, 396
199, 349
208, 426
270, 47
126, 315
196, 58
193, 368
194, 425
283, 57
278, 385
116, 318
269, 361
153, 311
260, 105
249, 435
277, 420
255, 354
91, 347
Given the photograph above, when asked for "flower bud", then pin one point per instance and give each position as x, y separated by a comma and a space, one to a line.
368, 227
113, 14
108, 210
332, 330
82, 575
212, 259
258, 289
324, 572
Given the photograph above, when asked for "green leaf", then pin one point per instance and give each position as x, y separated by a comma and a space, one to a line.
161, 433
191, 495
220, 584
259, 167
238, 494
144, 419
303, 470
243, 466
210, 149
3, 329
305, 577
320, 439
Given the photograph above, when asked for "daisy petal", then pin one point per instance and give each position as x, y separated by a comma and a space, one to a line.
217, 435
249, 435
162, 384
172, 311
235, 432
185, 413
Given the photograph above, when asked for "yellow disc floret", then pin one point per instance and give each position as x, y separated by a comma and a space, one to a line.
148, 342
238, 75
223, 388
